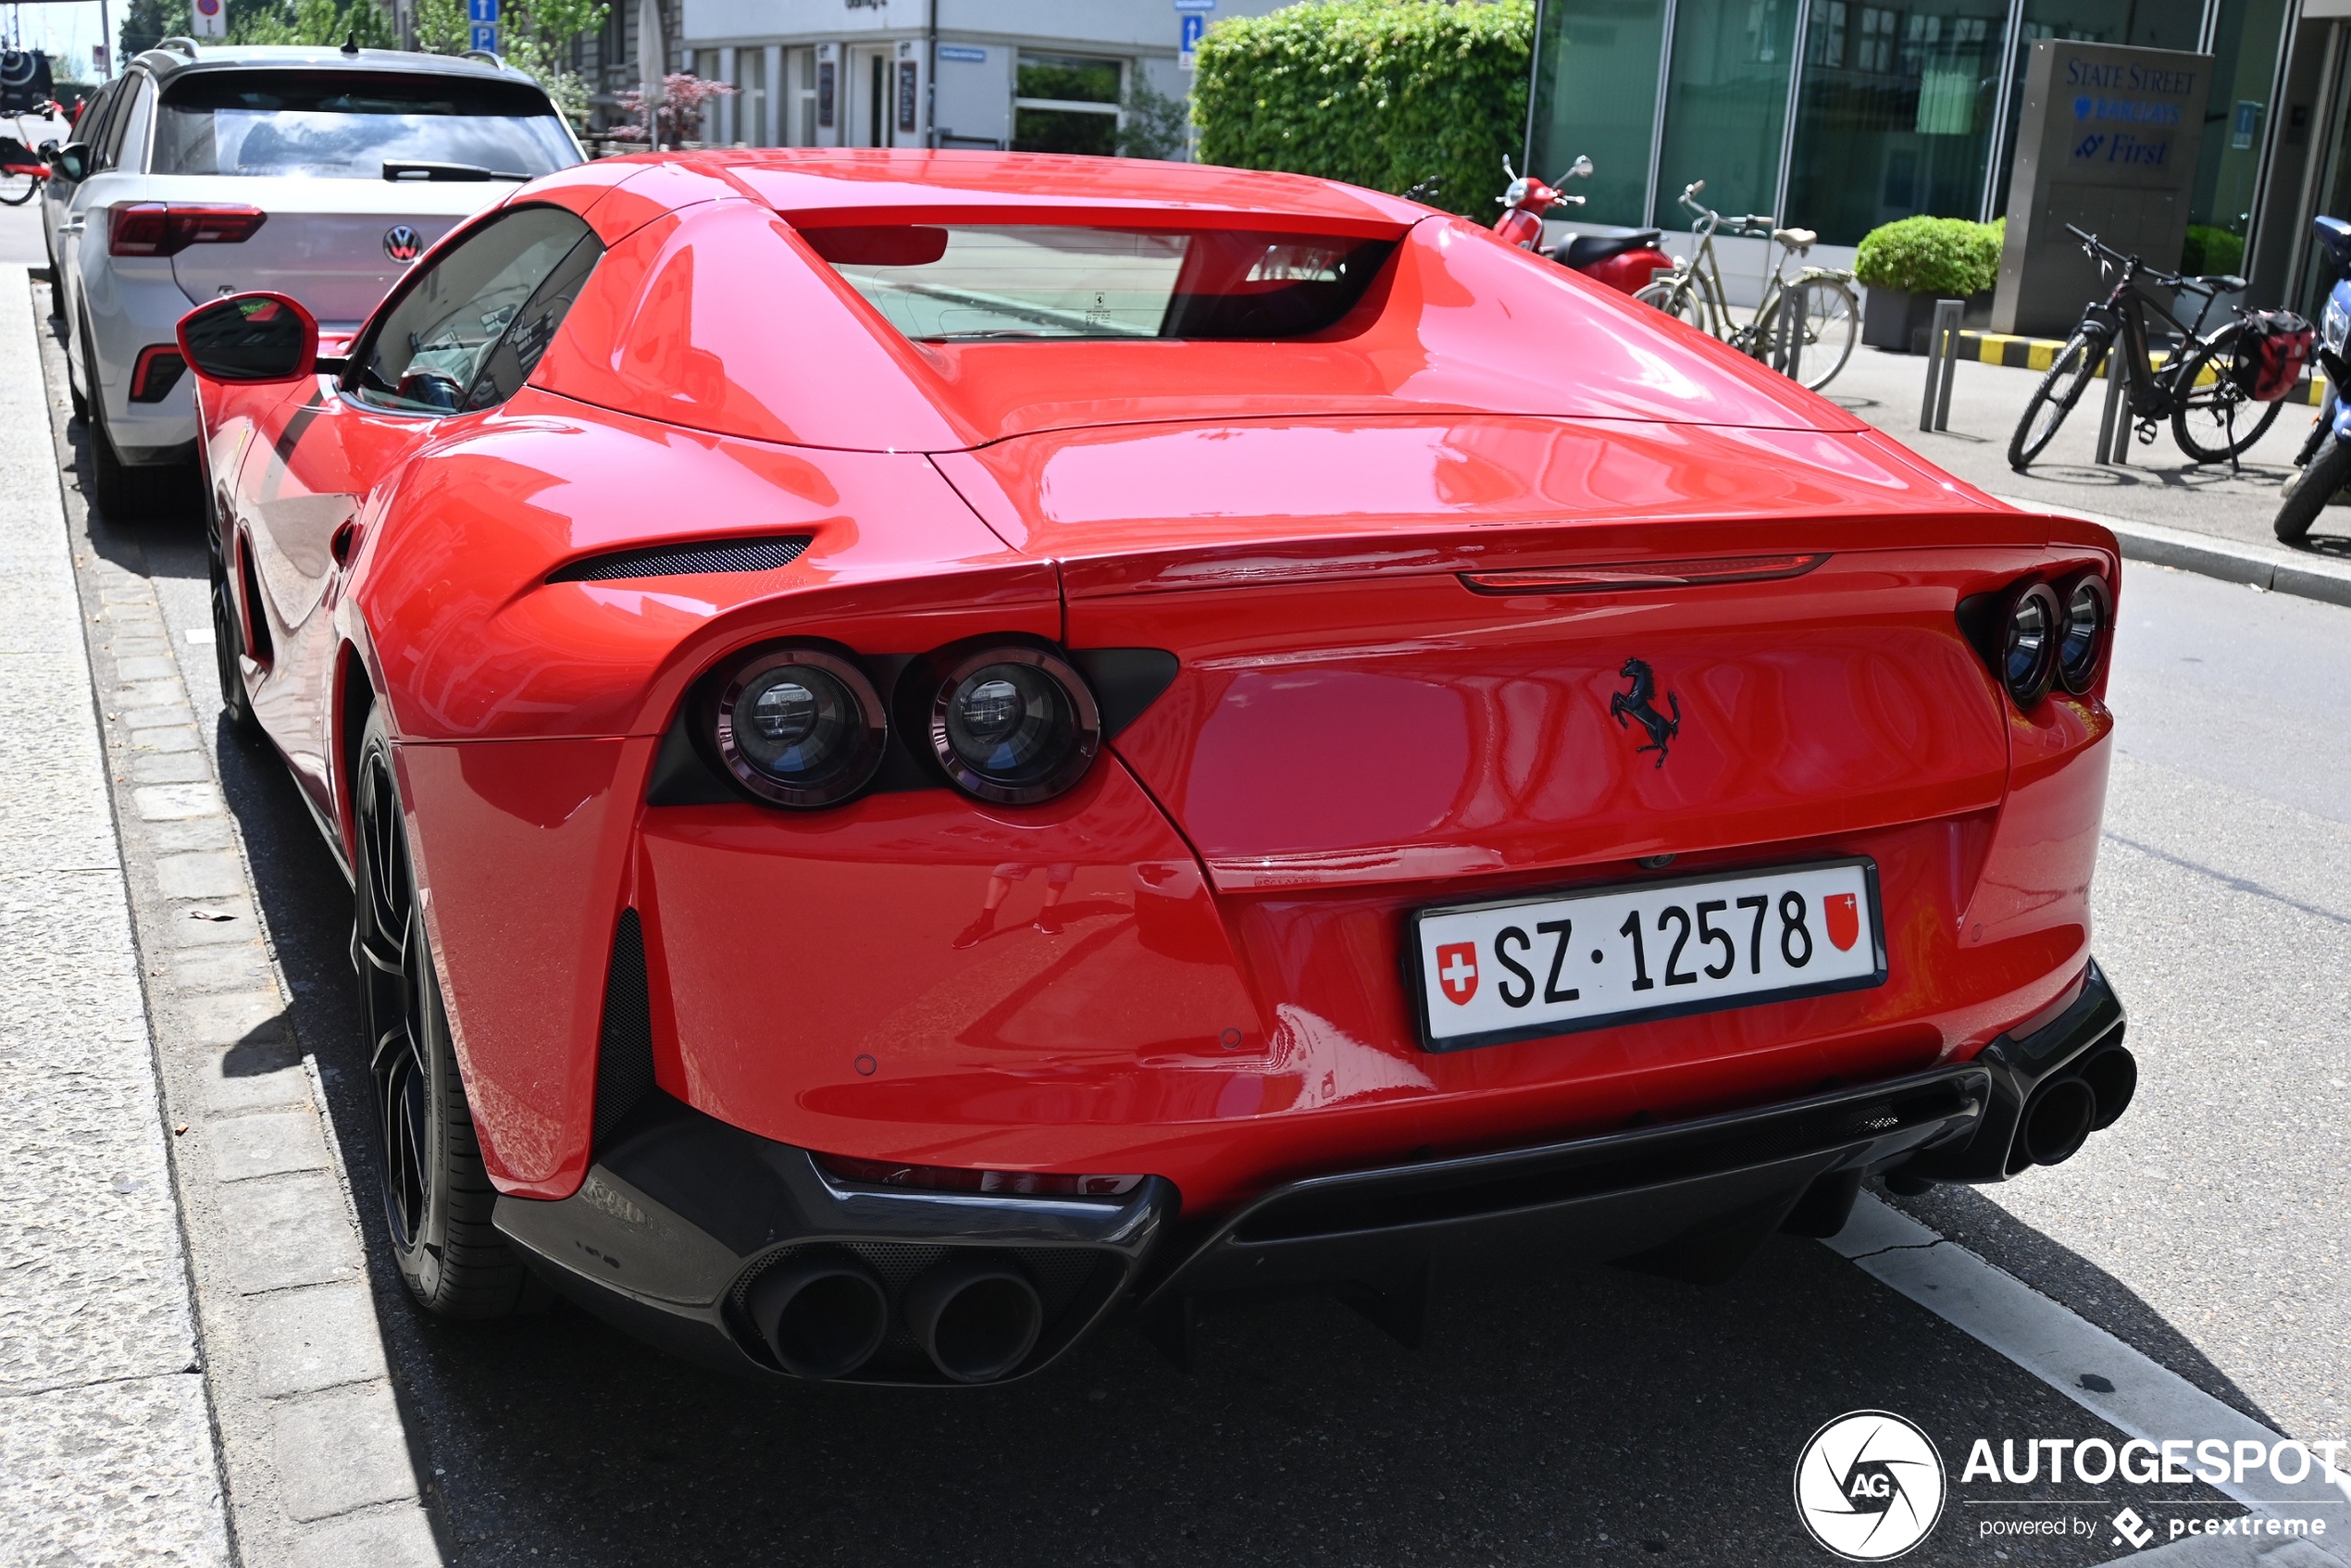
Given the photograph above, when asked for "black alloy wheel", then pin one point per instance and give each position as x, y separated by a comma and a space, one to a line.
2217, 423
437, 1197
2070, 376
2307, 492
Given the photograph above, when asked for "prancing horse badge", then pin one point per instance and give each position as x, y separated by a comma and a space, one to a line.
1641, 703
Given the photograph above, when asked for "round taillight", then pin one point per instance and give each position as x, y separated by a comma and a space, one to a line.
2029, 644
800, 727
1013, 725
2089, 612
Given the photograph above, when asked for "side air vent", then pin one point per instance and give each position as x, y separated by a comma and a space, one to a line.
683, 560
624, 1044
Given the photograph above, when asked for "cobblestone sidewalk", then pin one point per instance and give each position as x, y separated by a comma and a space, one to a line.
107, 1438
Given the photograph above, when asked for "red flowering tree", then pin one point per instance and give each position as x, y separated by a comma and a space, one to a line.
684, 99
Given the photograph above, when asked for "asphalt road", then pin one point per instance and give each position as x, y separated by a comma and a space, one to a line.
1563, 1417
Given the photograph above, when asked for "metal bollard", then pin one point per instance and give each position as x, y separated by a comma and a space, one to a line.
1792, 323
2114, 424
1942, 359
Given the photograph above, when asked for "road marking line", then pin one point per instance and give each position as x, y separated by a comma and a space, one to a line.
2058, 1347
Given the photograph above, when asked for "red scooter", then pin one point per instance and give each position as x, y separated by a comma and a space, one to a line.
1624, 259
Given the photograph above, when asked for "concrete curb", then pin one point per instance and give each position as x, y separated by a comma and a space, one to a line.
319, 1465
2270, 568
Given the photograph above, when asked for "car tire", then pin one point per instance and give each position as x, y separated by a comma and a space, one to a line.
437, 1197
123, 492
2310, 491
228, 637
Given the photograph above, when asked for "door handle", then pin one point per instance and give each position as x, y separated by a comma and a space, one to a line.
70, 226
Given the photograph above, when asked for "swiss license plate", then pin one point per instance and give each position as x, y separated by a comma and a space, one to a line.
1532, 966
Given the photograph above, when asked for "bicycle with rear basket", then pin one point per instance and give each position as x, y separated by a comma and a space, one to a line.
2207, 387
1822, 296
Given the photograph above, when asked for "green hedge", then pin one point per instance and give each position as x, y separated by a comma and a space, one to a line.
1947, 257
1380, 93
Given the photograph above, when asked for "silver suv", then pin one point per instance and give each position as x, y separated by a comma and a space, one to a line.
319, 173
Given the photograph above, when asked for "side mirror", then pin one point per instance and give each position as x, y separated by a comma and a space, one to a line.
1582, 169
71, 161
250, 339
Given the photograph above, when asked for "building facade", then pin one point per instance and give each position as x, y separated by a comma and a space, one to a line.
1026, 75
1841, 115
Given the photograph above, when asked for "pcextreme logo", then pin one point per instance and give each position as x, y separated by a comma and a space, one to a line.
1870, 1485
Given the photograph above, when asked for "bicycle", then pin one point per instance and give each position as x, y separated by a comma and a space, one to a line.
1830, 316
2195, 412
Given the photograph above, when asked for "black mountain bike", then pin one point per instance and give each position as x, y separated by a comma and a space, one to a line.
2213, 422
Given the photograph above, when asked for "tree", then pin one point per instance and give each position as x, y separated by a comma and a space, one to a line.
684, 98
1155, 124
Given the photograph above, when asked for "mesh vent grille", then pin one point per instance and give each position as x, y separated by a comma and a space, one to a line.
624, 1044
682, 560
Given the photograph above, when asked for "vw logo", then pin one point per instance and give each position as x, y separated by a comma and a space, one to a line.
402, 243
1869, 1486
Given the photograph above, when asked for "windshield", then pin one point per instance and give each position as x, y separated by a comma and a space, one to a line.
348, 126
973, 282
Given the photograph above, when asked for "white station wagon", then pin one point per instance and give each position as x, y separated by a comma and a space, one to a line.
319, 173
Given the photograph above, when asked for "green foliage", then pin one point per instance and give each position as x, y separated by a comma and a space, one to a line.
1947, 257
1380, 93
2207, 249
1155, 123
146, 23
316, 22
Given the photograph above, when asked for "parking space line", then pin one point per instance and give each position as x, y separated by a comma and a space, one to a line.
2121, 1385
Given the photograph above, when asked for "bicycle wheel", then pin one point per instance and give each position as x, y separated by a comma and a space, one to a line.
2216, 423
2307, 492
17, 186
1832, 323
2071, 372
1687, 299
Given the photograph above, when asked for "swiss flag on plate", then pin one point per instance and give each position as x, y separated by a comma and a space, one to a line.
1457, 972
1845, 920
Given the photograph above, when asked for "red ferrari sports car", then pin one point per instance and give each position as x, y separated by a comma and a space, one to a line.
938, 747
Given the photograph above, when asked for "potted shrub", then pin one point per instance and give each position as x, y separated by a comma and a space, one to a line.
1909, 264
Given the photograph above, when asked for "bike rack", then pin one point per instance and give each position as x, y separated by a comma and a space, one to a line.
2114, 424
1942, 358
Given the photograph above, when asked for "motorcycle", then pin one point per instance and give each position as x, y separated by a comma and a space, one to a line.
2324, 463
1624, 259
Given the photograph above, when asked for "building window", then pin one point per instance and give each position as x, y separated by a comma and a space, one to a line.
751, 96
1725, 105
1598, 99
1065, 103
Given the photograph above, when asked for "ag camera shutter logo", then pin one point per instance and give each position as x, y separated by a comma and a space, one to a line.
1870, 1485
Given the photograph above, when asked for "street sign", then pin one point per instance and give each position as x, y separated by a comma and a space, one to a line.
1194, 24
209, 20
481, 10
485, 38
1195, 5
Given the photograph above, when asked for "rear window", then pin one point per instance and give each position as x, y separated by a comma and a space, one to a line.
978, 282
349, 125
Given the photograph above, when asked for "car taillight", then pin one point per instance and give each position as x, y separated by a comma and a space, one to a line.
169, 228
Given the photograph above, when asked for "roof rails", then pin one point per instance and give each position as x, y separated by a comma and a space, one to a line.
178, 45
483, 55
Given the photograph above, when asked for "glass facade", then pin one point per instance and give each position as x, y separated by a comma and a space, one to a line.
1725, 106
1899, 107
1610, 111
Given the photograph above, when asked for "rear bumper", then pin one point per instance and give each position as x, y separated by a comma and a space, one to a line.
681, 1212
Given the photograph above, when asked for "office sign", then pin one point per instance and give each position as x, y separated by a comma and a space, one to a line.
2106, 142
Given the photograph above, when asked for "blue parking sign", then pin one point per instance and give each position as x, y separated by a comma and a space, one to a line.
485, 38
481, 10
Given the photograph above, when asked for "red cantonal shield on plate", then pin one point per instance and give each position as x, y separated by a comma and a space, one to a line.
1845, 920
1457, 971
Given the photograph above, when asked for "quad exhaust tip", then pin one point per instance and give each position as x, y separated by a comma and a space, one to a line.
977, 1318
821, 1317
